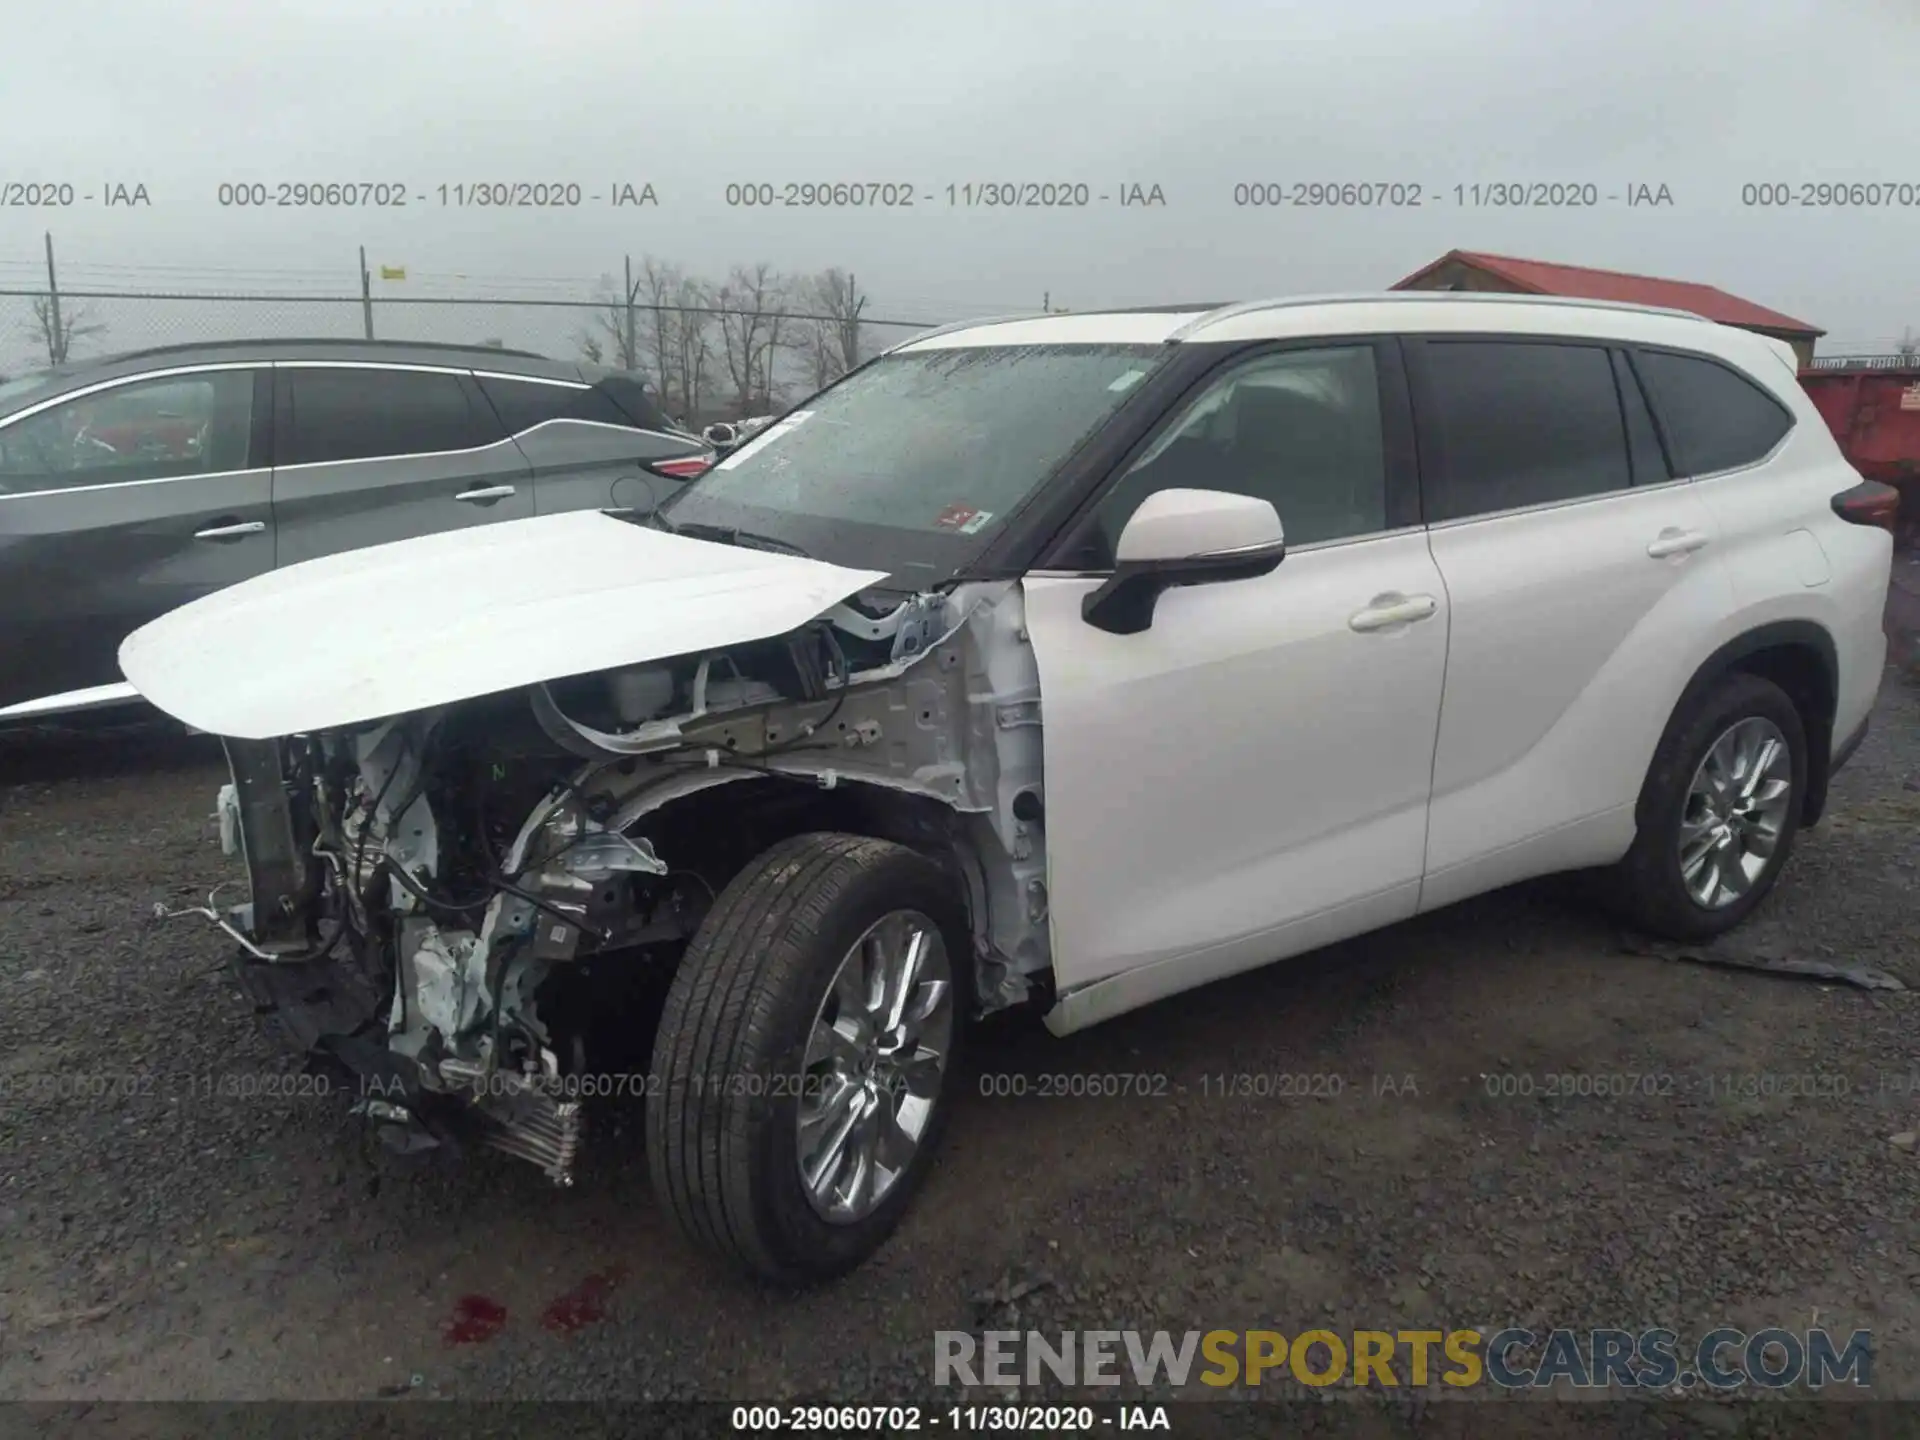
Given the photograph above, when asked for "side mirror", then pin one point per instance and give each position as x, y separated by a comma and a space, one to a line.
1183, 537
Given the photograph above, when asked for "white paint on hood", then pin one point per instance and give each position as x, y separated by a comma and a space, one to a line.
424, 622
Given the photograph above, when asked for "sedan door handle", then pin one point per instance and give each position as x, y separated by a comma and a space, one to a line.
1675, 542
485, 495
230, 532
1386, 611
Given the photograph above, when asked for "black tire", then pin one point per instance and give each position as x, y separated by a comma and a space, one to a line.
723, 1097
1647, 884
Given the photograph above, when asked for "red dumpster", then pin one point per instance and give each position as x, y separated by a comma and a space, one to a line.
1872, 405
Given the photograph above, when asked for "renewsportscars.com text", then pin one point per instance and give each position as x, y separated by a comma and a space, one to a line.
1509, 1359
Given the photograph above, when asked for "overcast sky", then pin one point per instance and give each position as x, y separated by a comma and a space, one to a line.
1195, 96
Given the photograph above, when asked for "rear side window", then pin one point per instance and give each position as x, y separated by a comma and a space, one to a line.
1519, 423
344, 413
1714, 418
1643, 441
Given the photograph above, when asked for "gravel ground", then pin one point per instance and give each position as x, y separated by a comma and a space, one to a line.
179, 1239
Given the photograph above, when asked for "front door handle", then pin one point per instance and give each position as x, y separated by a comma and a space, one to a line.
1387, 611
1672, 541
231, 531
485, 495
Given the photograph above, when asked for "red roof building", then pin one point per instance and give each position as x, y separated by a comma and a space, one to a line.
1476, 270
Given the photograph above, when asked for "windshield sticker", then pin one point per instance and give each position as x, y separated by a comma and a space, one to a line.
765, 438
1128, 380
963, 518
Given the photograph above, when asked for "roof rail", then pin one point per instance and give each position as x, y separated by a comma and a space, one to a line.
245, 344
1376, 297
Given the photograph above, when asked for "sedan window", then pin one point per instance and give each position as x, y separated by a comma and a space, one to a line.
167, 427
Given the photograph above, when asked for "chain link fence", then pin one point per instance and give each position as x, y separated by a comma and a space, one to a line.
38, 328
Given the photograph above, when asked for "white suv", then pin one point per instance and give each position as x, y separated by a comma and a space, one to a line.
986, 678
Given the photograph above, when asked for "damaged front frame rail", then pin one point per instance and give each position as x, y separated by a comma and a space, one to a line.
441, 1020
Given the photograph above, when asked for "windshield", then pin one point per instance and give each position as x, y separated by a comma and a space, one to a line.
911, 464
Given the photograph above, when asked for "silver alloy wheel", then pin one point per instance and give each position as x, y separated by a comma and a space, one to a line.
876, 1056
1736, 809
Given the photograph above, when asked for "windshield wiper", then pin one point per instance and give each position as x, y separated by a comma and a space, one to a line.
729, 535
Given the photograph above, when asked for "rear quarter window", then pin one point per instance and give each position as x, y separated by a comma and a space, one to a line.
1713, 417
610, 400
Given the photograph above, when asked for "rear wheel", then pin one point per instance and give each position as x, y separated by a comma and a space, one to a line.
801, 1071
1718, 813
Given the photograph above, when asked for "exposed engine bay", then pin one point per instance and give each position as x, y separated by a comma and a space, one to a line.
475, 909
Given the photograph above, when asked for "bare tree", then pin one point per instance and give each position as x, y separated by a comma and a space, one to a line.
57, 328
672, 333
832, 342
692, 350
1909, 348
610, 336
752, 333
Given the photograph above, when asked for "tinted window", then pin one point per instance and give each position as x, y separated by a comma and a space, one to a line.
1520, 424
626, 394
1300, 429
523, 404
1714, 419
613, 400
1643, 441
150, 429
354, 414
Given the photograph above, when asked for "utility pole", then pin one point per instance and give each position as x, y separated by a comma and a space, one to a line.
629, 356
56, 334
366, 294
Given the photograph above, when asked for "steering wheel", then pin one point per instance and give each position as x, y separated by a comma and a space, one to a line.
84, 436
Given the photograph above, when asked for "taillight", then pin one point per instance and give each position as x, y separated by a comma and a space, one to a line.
687, 469
1869, 503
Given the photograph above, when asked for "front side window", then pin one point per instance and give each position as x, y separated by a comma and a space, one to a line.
913, 462
1715, 420
164, 428
1519, 423
345, 413
1300, 428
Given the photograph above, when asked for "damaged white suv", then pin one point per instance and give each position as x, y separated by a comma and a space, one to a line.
985, 679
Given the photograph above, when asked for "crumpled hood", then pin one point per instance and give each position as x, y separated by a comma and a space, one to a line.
428, 621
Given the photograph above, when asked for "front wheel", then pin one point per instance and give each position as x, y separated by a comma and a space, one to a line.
1718, 813
801, 1071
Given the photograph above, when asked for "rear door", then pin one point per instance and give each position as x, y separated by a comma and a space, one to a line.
1581, 577
118, 503
366, 453
599, 446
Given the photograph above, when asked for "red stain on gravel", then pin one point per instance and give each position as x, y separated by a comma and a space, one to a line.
475, 1318
585, 1304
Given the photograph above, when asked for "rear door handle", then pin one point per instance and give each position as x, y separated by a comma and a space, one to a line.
1387, 611
230, 532
1675, 542
485, 495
